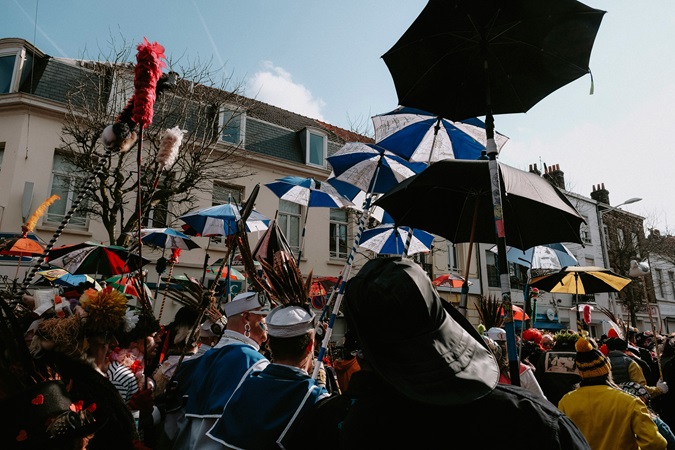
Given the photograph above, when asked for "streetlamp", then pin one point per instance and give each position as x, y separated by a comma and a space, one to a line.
602, 209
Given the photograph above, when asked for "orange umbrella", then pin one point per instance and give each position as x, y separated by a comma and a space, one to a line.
518, 313
449, 280
21, 246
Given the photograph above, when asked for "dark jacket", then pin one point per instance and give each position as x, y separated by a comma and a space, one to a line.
374, 415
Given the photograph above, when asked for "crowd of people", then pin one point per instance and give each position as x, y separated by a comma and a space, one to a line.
411, 371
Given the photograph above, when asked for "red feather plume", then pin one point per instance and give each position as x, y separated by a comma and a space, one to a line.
146, 74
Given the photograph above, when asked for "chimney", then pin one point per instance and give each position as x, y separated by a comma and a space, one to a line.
534, 169
600, 194
555, 176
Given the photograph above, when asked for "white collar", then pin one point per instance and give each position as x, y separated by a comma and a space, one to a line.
230, 337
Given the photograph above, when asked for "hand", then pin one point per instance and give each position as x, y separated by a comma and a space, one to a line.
142, 401
662, 385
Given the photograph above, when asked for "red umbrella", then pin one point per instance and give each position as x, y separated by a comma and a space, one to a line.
449, 280
20, 246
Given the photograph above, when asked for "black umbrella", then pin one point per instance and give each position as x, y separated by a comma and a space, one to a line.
467, 58
453, 198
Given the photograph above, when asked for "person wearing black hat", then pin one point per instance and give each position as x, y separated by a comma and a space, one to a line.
426, 377
609, 418
625, 368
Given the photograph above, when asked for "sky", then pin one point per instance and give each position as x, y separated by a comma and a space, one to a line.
322, 59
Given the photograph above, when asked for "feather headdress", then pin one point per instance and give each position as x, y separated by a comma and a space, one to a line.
282, 280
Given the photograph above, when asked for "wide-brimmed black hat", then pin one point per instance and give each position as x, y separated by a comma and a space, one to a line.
428, 352
44, 416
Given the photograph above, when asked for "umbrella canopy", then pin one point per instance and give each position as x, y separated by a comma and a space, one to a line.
91, 257
581, 280
371, 168
20, 246
128, 284
167, 238
307, 192
450, 280
547, 256
518, 313
417, 135
219, 220
65, 278
468, 58
387, 239
230, 272
452, 198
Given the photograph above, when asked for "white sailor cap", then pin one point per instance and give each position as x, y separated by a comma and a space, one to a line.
289, 321
246, 301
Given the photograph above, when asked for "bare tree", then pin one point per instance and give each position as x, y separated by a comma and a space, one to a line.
195, 104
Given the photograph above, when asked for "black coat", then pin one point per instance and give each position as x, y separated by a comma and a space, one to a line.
374, 415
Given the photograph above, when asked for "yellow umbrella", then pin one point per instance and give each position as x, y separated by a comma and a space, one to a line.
581, 280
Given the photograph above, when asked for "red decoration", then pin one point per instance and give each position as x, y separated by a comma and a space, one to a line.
175, 253
77, 406
147, 73
22, 436
38, 400
587, 314
91, 408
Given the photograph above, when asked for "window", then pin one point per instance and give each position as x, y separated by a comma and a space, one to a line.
452, 256
315, 144
658, 283
157, 211
232, 124
621, 239
65, 183
585, 232
12, 75
671, 278
221, 195
2, 153
6, 72
290, 215
636, 243
492, 271
338, 233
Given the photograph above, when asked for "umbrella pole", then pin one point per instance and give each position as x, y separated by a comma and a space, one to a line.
651, 322
463, 299
576, 302
302, 238
504, 281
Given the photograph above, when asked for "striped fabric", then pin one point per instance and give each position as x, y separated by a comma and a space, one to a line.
123, 379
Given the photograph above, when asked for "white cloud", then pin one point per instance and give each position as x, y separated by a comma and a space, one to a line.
275, 86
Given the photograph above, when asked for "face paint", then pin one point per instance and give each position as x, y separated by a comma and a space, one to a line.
263, 326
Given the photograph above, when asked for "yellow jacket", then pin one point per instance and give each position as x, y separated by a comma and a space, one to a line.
611, 419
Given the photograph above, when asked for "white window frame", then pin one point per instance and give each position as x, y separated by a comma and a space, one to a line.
306, 135
230, 113
338, 228
78, 220
452, 256
585, 231
20, 58
286, 218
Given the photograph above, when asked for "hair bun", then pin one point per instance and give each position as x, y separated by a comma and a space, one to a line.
582, 345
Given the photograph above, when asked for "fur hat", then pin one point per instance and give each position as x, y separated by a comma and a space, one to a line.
590, 361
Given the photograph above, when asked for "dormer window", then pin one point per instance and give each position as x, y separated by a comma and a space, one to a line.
315, 144
15, 67
232, 125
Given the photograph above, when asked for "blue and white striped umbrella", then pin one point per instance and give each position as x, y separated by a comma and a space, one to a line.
167, 238
388, 239
371, 168
417, 135
307, 192
219, 220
